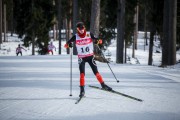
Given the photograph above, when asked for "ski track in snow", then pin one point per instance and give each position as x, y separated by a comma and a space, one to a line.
37, 88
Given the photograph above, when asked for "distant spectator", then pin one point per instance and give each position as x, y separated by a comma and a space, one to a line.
51, 47
19, 50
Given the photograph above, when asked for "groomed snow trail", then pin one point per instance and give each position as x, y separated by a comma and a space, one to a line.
38, 88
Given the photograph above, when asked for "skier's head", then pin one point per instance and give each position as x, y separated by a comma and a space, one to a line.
19, 45
81, 30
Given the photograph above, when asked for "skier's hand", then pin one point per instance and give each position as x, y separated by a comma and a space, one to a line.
68, 45
99, 41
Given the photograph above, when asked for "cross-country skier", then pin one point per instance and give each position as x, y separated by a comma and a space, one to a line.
19, 50
84, 43
51, 47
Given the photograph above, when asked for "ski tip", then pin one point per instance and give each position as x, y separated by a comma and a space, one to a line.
139, 100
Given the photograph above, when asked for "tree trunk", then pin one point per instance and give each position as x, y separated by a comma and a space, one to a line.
59, 22
95, 16
4, 22
169, 33
125, 52
150, 60
54, 31
12, 19
33, 34
145, 27
68, 30
136, 27
0, 23
165, 34
172, 32
134, 36
120, 31
33, 43
75, 18
133, 47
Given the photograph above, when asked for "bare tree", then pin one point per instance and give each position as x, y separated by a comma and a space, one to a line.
120, 31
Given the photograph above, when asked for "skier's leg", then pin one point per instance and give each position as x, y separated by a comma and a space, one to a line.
82, 92
82, 79
92, 63
82, 76
18, 53
49, 51
99, 78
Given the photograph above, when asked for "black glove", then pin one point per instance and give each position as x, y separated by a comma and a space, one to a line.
70, 45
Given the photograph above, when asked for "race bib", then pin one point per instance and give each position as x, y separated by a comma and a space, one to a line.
84, 46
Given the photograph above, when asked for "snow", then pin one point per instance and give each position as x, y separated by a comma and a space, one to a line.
38, 87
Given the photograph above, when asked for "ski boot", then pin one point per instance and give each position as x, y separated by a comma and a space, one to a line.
105, 87
82, 92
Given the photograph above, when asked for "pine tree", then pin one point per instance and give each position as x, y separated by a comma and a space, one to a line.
34, 20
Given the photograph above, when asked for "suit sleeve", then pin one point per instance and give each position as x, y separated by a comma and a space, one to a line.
72, 39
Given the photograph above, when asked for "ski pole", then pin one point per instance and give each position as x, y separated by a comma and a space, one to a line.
70, 72
108, 64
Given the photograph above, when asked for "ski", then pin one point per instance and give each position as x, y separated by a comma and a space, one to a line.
116, 92
79, 99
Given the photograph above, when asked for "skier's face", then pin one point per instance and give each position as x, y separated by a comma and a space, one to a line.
81, 29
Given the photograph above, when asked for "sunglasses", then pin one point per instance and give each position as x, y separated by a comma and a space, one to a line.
80, 28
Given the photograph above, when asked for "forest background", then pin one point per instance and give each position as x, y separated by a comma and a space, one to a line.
118, 19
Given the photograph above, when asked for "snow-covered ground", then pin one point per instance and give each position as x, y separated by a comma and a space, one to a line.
38, 88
